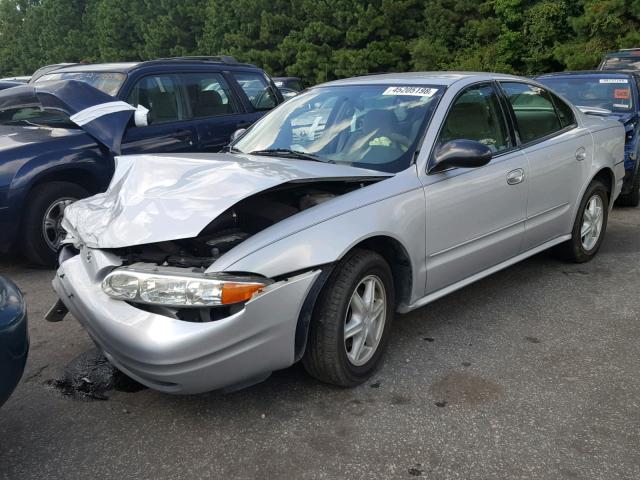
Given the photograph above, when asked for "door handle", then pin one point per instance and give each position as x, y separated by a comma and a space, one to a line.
581, 154
515, 176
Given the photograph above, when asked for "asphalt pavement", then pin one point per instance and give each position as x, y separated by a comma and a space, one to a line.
532, 373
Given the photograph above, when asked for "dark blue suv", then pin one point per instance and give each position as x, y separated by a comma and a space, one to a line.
59, 135
612, 94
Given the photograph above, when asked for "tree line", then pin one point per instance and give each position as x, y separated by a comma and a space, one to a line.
321, 40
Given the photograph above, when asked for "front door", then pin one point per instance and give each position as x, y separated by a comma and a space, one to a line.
475, 217
215, 109
169, 128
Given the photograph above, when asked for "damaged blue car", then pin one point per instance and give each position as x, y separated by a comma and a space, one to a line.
60, 134
609, 94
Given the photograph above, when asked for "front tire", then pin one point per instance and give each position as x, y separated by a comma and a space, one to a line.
589, 227
351, 321
41, 229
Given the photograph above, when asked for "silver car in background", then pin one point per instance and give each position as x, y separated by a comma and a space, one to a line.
356, 199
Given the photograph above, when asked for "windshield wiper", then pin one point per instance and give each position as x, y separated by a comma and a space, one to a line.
285, 152
231, 149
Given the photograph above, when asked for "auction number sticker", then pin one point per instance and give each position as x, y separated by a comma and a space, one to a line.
614, 80
412, 91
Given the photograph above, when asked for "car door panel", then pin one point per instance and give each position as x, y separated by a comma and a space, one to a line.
174, 137
555, 180
488, 220
475, 217
216, 133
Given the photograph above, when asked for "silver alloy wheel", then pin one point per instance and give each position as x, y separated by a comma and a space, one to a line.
52, 222
364, 320
592, 220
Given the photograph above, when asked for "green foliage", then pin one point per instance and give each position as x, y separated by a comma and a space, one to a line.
321, 40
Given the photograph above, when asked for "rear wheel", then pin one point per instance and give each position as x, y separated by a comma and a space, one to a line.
589, 227
351, 321
42, 229
631, 199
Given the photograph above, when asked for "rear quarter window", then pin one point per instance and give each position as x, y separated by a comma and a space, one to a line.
567, 117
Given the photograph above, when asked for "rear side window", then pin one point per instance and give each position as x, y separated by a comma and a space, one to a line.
257, 88
564, 111
208, 95
158, 93
536, 116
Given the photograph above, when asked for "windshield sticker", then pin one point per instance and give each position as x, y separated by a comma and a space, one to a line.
412, 91
614, 80
621, 105
622, 93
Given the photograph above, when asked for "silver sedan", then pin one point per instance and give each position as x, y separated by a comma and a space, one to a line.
351, 201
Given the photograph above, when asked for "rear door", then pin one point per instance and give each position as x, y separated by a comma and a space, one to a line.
558, 151
169, 128
475, 217
214, 108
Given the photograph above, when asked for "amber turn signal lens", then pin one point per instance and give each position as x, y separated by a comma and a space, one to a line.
239, 292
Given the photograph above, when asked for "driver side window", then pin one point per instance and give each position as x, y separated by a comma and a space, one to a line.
159, 94
476, 115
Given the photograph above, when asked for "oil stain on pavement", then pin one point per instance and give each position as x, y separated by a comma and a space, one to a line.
459, 388
90, 376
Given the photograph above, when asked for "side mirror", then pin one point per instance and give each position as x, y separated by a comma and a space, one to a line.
141, 116
237, 134
462, 154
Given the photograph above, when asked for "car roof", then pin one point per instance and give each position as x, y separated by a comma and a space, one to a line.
99, 67
125, 67
421, 78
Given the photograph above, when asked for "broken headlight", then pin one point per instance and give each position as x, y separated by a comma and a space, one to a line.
180, 289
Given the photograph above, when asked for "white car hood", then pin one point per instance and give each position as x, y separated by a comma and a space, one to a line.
155, 198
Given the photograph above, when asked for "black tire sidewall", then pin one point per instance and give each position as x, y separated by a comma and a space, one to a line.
372, 265
579, 252
33, 243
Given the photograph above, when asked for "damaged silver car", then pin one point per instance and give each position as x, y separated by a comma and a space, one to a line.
352, 201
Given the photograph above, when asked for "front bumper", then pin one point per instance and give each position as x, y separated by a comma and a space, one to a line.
177, 356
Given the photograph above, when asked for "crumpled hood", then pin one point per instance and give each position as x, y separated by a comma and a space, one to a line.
155, 198
100, 115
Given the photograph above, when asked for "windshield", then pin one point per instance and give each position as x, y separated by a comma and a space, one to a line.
608, 92
368, 126
108, 82
31, 116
